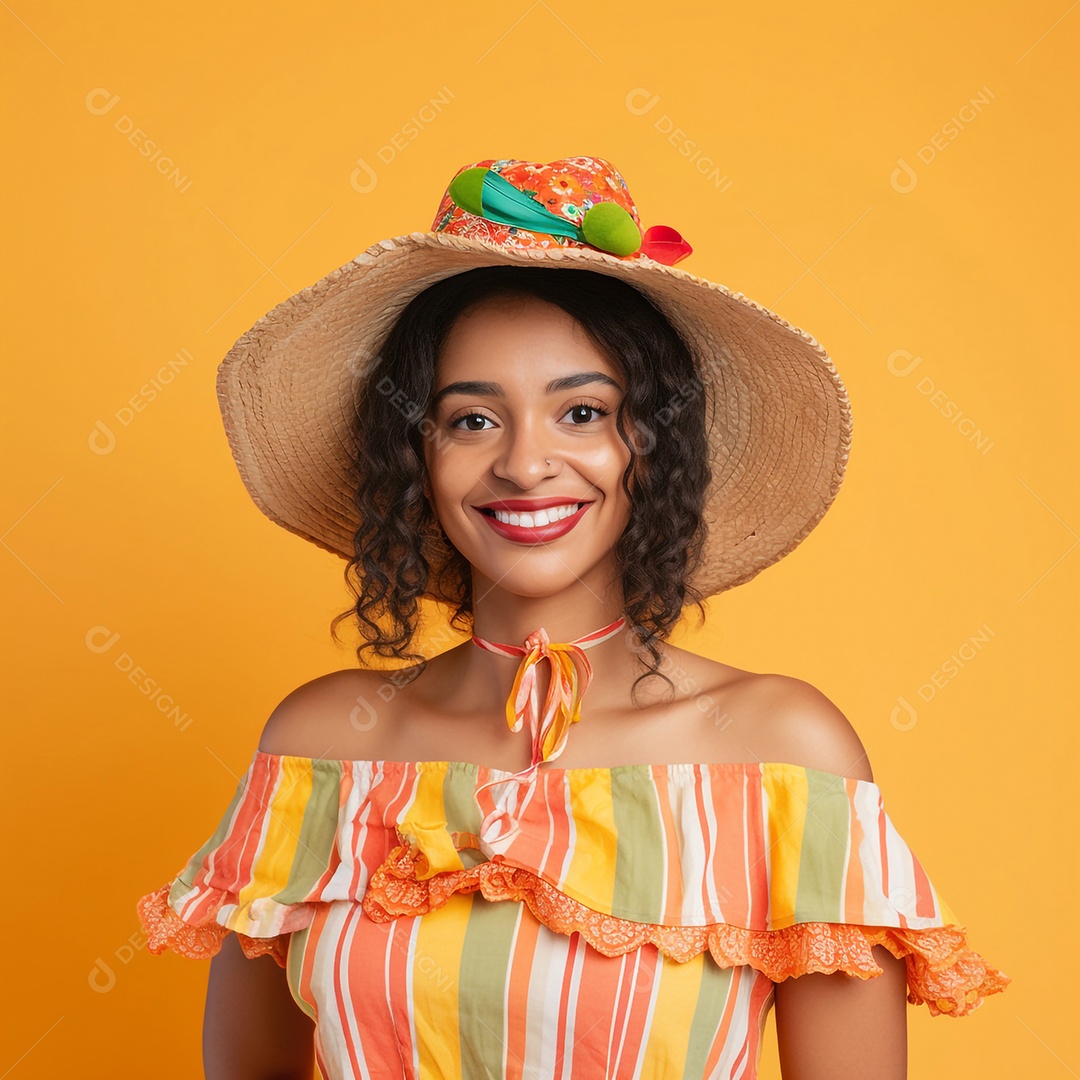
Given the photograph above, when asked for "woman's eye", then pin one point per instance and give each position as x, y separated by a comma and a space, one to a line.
584, 407
468, 416
581, 407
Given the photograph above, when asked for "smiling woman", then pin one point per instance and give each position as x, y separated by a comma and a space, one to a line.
566, 443
525, 369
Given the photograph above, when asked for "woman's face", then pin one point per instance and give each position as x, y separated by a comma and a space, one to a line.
499, 417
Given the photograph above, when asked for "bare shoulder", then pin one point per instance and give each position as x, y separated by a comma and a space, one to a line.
336, 715
803, 726
765, 716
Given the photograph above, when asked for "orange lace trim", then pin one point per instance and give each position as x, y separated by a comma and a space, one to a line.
942, 971
166, 930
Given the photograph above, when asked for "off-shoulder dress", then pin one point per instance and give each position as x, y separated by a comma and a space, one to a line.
628, 921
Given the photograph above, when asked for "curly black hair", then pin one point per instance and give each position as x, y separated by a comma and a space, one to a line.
401, 552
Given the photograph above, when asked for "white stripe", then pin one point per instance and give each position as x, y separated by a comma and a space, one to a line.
337, 1029
739, 1027
352, 830
716, 912
902, 883
866, 809
545, 986
683, 784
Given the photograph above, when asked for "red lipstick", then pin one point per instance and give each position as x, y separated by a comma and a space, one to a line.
537, 534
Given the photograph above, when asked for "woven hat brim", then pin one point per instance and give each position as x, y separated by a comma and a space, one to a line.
778, 417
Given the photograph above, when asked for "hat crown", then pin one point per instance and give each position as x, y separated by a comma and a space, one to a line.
523, 200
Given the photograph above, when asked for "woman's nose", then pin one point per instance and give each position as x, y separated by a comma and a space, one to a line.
525, 459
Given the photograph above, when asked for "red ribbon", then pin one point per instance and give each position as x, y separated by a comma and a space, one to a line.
664, 244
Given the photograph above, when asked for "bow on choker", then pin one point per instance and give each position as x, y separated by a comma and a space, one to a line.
571, 674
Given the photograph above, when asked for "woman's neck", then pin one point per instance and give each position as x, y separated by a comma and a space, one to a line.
561, 625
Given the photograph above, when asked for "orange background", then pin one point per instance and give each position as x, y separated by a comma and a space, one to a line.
301, 136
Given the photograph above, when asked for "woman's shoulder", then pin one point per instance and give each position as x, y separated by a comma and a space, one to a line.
773, 717
332, 715
801, 725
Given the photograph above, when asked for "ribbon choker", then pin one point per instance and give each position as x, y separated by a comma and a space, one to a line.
571, 674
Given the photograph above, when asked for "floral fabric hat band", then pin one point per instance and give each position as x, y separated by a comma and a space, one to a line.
583, 202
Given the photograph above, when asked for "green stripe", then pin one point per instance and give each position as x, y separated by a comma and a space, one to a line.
462, 812
318, 833
708, 1013
824, 849
639, 842
485, 966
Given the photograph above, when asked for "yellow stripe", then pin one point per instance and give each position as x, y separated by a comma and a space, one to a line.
591, 876
425, 822
440, 942
676, 1000
787, 789
271, 870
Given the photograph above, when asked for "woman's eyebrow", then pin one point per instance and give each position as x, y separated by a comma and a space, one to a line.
492, 389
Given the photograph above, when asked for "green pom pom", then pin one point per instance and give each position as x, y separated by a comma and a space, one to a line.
466, 189
611, 228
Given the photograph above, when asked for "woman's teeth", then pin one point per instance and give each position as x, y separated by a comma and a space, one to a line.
541, 517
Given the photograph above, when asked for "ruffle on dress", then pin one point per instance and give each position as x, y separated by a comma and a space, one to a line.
787, 869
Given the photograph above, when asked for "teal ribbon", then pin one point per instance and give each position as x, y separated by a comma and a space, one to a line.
508, 205
605, 226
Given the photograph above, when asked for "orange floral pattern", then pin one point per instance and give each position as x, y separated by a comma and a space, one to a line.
568, 187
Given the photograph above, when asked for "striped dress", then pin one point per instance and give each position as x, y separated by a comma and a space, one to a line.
630, 922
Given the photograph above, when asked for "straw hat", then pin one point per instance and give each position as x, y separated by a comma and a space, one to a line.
777, 413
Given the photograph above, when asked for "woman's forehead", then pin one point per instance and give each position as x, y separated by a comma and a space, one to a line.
529, 342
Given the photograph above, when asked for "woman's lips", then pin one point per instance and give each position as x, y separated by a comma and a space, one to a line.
538, 534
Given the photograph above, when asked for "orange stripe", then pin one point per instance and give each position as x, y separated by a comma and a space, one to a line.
673, 889
346, 1009
600, 992
519, 978
239, 847
640, 984
854, 883
400, 941
558, 819
924, 891
566, 997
